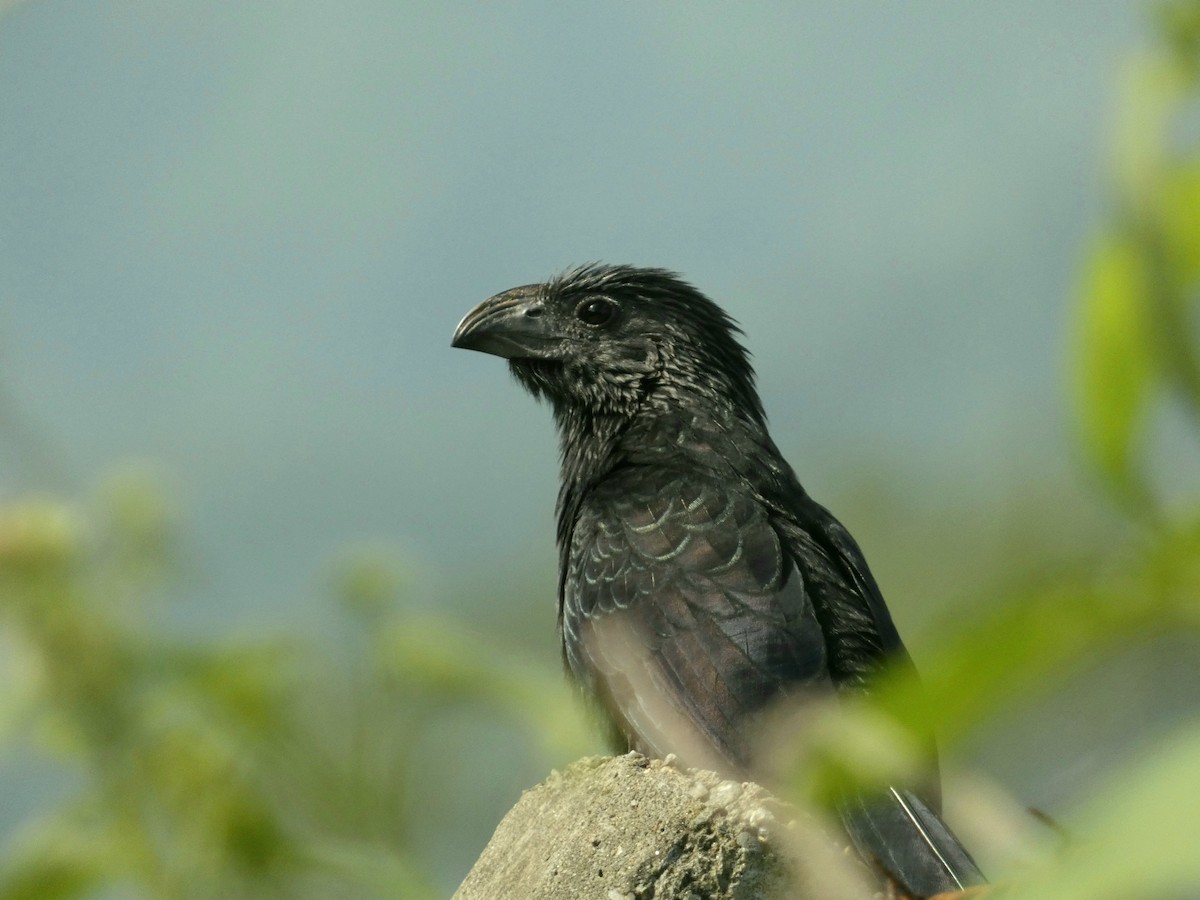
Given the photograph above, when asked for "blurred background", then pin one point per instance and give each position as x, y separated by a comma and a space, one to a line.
277, 567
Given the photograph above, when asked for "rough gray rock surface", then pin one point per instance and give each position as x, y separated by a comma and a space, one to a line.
630, 828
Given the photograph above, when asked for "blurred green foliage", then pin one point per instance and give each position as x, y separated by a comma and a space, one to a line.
231, 768
1137, 355
1136, 360
1136, 347
224, 769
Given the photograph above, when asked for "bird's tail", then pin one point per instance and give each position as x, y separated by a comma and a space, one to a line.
910, 842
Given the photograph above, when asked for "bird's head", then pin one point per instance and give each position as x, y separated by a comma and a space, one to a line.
615, 340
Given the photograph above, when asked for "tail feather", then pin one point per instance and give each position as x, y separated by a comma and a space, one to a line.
910, 842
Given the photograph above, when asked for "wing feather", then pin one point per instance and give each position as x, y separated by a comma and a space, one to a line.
684, 613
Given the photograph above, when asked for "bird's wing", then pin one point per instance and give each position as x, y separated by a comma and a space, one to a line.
910, 842
898, 827
684, 614
859, 632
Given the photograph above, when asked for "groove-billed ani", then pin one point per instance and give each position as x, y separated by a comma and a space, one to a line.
698, 582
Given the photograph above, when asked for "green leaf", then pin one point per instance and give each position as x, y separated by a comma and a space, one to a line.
49, 879
1114, 366
1176, 242
1139, 838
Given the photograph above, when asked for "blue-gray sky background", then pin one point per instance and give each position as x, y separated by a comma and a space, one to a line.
235, 239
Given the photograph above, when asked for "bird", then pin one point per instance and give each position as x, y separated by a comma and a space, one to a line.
698, 582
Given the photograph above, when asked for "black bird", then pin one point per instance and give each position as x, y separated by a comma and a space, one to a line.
698, 581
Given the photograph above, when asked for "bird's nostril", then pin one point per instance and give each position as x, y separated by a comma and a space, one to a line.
533, 312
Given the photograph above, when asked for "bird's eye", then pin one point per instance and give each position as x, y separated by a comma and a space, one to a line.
596, 311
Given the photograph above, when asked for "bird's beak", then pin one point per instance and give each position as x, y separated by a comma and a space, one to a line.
512, 325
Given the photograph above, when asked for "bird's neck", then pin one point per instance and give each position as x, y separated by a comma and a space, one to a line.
589, 443
589, 448
712, 439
